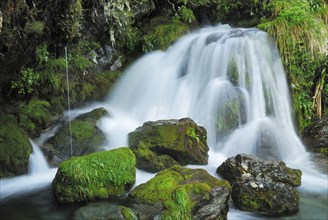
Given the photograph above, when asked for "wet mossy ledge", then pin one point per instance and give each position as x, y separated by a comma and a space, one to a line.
95, 176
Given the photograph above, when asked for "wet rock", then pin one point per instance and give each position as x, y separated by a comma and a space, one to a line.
184, 192
86, 138
98, 175
266, 187
315, 136
161, 144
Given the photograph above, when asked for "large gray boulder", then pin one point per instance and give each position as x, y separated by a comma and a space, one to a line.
266, 187
161, 144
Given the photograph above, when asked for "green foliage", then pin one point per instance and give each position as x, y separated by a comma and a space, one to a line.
300, 34
35, 27
186, 14
42, 54
27, 85
132, 39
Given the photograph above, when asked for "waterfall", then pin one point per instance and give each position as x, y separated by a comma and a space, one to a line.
231, 81
37, 161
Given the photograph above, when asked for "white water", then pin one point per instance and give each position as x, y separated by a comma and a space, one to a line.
231, 81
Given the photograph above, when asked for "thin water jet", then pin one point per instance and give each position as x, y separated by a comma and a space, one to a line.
68, 105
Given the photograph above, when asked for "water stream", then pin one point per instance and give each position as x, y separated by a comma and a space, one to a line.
232, 82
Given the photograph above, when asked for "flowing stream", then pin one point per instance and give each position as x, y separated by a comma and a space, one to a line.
229, 80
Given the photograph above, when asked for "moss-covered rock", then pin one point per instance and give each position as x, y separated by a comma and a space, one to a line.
15, 148
161, 144
86, 137
98, 175
266, 187
35, 116
161, 32
182, 193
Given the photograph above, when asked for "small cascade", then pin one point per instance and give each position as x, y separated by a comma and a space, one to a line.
37, 161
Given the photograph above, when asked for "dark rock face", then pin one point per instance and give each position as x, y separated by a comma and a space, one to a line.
315, 136
181, 193
265, 187
86, 138
161, 144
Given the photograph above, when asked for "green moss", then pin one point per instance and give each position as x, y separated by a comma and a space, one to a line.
127, 213
35, 116
178, 189
163, 34
14, 147
96, 175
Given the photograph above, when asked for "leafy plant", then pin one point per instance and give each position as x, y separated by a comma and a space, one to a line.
27, 85
186, 14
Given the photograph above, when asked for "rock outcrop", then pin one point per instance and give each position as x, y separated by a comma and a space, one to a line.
181, 193
266, 187
161, 144
98, 175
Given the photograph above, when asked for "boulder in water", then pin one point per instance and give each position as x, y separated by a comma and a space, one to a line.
181, 193
86, 138
161, 144
266, 187
98, 175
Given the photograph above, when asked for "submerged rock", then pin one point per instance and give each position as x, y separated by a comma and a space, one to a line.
266, 187
98, 175
15, 148
86, 138
161, 144
181, 193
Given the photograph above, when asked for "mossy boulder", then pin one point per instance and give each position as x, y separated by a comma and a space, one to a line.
97, 175
86, 137
266, 187
181, 193
161, 144
35, 116
15, 148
